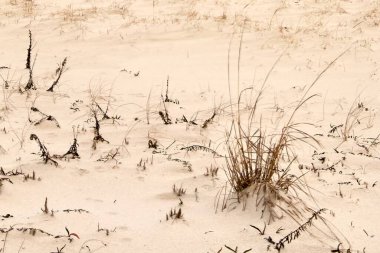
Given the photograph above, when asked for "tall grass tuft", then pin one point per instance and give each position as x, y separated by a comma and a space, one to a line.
255, 161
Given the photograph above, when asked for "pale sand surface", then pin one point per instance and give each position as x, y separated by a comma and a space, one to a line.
187, 42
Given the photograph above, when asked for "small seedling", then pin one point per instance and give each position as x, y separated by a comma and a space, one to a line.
212, 171
174, 214
45, 210
179, 191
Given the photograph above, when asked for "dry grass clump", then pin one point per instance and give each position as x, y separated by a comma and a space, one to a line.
255, 163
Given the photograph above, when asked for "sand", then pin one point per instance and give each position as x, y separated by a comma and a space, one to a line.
124, 58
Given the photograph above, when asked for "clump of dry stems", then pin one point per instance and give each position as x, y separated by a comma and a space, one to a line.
254, 161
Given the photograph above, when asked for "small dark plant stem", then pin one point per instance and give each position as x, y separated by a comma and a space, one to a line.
59, 71
28, 57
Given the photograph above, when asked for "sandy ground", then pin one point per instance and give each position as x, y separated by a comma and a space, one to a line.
120, 56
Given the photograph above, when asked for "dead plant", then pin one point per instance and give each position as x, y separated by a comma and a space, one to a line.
44, 153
